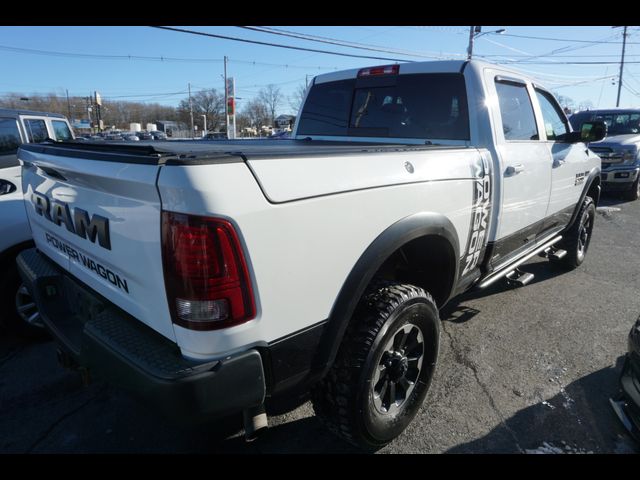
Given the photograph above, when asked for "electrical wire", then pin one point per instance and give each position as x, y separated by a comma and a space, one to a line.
269, 44
333, 41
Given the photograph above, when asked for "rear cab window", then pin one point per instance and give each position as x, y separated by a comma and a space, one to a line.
36, 129
417, 106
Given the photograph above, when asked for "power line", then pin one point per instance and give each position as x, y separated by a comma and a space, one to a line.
564, 39
333, 41
291, 47
161, 58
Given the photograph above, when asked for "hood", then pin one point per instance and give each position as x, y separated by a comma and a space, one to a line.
630, 140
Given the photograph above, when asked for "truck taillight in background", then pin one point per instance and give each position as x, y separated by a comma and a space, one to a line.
206, 276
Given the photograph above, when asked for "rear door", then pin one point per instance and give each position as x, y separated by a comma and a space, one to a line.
526, 170
97, 215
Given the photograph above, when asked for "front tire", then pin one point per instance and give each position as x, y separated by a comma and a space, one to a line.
577, 239
383, 368
634, 193
19, 313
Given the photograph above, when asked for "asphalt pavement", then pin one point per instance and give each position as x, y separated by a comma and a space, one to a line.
521, 370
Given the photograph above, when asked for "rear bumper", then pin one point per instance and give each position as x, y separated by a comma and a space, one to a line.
111, 344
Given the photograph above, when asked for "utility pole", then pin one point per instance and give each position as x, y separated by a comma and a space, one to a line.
69, 106
191, 110
472, 34
226, 98
624, 44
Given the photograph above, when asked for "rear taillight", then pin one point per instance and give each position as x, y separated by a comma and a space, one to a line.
206, 275
375, 71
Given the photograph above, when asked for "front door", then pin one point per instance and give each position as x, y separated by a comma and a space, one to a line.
569, 164
526, 171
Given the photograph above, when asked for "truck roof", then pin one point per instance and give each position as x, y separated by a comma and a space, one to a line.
11, 112
438, 66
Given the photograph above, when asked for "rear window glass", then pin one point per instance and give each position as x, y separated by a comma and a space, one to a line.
61, 130
430, 106
9, 136
36, 130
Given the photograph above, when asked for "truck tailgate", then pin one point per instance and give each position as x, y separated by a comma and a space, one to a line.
99, 219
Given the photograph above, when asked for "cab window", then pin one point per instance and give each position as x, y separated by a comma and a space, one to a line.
554, 121
61, 130
518, 119
9, 136
36, 130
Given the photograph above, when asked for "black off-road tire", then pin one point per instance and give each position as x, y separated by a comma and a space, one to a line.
634, 193
10, 320
387, 324
577, 239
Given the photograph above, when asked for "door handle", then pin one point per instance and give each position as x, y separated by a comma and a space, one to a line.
514, 169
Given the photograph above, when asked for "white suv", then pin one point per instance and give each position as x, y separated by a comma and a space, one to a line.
17, 310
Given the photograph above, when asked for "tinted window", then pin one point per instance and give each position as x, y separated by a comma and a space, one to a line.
9, 136
326, 111
61, 130
619, 123
407, 106
518, 120
36, 130
554, 121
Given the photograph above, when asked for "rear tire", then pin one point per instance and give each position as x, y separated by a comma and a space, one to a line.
634, 193
383, 368
577, 239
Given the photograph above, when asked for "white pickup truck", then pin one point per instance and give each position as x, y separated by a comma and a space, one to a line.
209, 276
18, 312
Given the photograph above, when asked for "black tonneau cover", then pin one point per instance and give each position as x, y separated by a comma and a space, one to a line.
195, 152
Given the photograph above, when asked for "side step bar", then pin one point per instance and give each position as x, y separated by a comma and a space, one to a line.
552, 253
518, 278
510, 269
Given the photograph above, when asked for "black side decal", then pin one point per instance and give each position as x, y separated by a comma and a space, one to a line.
480, 216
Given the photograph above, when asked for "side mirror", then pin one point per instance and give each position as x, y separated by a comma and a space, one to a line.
593, 131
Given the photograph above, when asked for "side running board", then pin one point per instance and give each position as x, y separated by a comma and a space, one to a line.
512, 268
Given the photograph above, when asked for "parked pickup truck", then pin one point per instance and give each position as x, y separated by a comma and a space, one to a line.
18, 313
620, 151
209, 277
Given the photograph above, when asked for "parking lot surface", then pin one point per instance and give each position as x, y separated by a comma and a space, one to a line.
521, 370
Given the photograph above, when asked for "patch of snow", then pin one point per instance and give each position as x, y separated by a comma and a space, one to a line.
549, 448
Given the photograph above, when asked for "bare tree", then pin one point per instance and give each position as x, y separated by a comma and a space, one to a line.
255, 113
205, 102
566, 102
585, 105
114, 113
297, 97
271, 97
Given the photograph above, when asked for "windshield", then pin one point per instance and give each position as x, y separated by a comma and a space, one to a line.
429, 106
618, 123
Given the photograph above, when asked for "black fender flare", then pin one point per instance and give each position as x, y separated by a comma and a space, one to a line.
594, 176
395, 236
